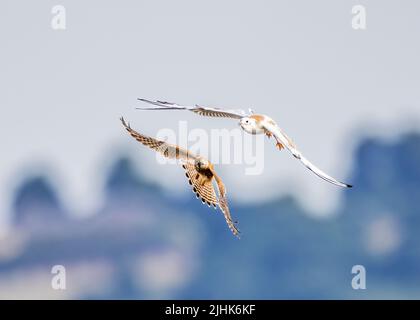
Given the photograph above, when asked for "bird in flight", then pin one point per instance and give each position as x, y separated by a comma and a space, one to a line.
251, 123
199, 171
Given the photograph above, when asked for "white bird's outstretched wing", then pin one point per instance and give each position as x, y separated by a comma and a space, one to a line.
203, 111
287, 142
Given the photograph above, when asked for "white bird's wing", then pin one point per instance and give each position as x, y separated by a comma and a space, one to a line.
203, 111
287, 142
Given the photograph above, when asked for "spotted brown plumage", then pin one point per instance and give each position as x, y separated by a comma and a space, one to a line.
199, 171
166, 149
201, 185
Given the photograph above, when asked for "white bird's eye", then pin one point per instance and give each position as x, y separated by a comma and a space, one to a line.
246, 121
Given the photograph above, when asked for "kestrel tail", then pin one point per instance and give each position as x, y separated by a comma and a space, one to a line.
253, 124
199, 171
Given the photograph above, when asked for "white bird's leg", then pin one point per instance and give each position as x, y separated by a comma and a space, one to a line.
279, 144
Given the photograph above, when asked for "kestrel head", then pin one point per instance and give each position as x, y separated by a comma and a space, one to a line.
202, 164
249, 124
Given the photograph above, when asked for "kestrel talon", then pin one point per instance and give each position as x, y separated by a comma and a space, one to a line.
253, 124
199, 171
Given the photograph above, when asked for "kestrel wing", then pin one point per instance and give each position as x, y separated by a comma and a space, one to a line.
201, 110
204, 189
223, 205
168, 150
202, 185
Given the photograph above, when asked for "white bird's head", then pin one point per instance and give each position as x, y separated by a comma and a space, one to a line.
249, 125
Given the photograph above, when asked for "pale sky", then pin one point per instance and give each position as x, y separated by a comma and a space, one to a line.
300, 62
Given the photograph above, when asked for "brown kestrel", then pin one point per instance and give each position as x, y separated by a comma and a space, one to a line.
199, 171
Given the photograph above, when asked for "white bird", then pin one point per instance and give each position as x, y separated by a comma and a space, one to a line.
253, 124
